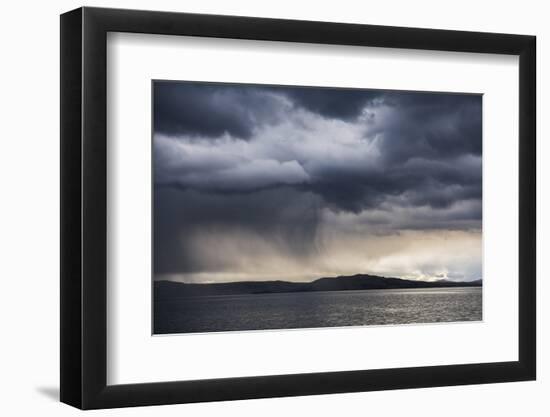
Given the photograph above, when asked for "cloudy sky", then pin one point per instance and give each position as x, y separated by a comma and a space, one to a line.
259, 182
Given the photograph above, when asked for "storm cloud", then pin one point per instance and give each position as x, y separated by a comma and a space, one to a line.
289, 168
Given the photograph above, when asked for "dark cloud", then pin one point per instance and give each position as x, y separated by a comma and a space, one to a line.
209, 109
266, 162
417, 182
284, 216
427, 145
430, 125
214, 109
339, 103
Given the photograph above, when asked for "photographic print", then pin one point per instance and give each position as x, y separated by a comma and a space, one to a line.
289, 207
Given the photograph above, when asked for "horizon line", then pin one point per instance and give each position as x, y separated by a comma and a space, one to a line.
317, 279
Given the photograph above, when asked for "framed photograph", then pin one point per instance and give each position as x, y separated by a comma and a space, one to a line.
257, 208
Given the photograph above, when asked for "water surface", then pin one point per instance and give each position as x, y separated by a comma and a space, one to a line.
317, 309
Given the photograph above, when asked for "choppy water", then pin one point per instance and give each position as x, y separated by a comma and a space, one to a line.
317, 309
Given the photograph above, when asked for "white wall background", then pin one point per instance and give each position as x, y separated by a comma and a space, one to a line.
29, 207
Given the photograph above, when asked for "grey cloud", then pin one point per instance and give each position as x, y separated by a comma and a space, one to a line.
418, 148
338, 103
430, 125
211, 110
266, 162
285, 217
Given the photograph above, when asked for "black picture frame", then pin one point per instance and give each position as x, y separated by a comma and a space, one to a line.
84, 207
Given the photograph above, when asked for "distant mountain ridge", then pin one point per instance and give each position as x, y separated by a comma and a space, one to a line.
172, 289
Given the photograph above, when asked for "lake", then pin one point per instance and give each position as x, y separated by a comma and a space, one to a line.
317, 309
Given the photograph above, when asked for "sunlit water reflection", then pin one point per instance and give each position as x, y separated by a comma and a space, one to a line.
317, 309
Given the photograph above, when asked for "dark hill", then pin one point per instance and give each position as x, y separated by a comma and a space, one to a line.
171, 289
